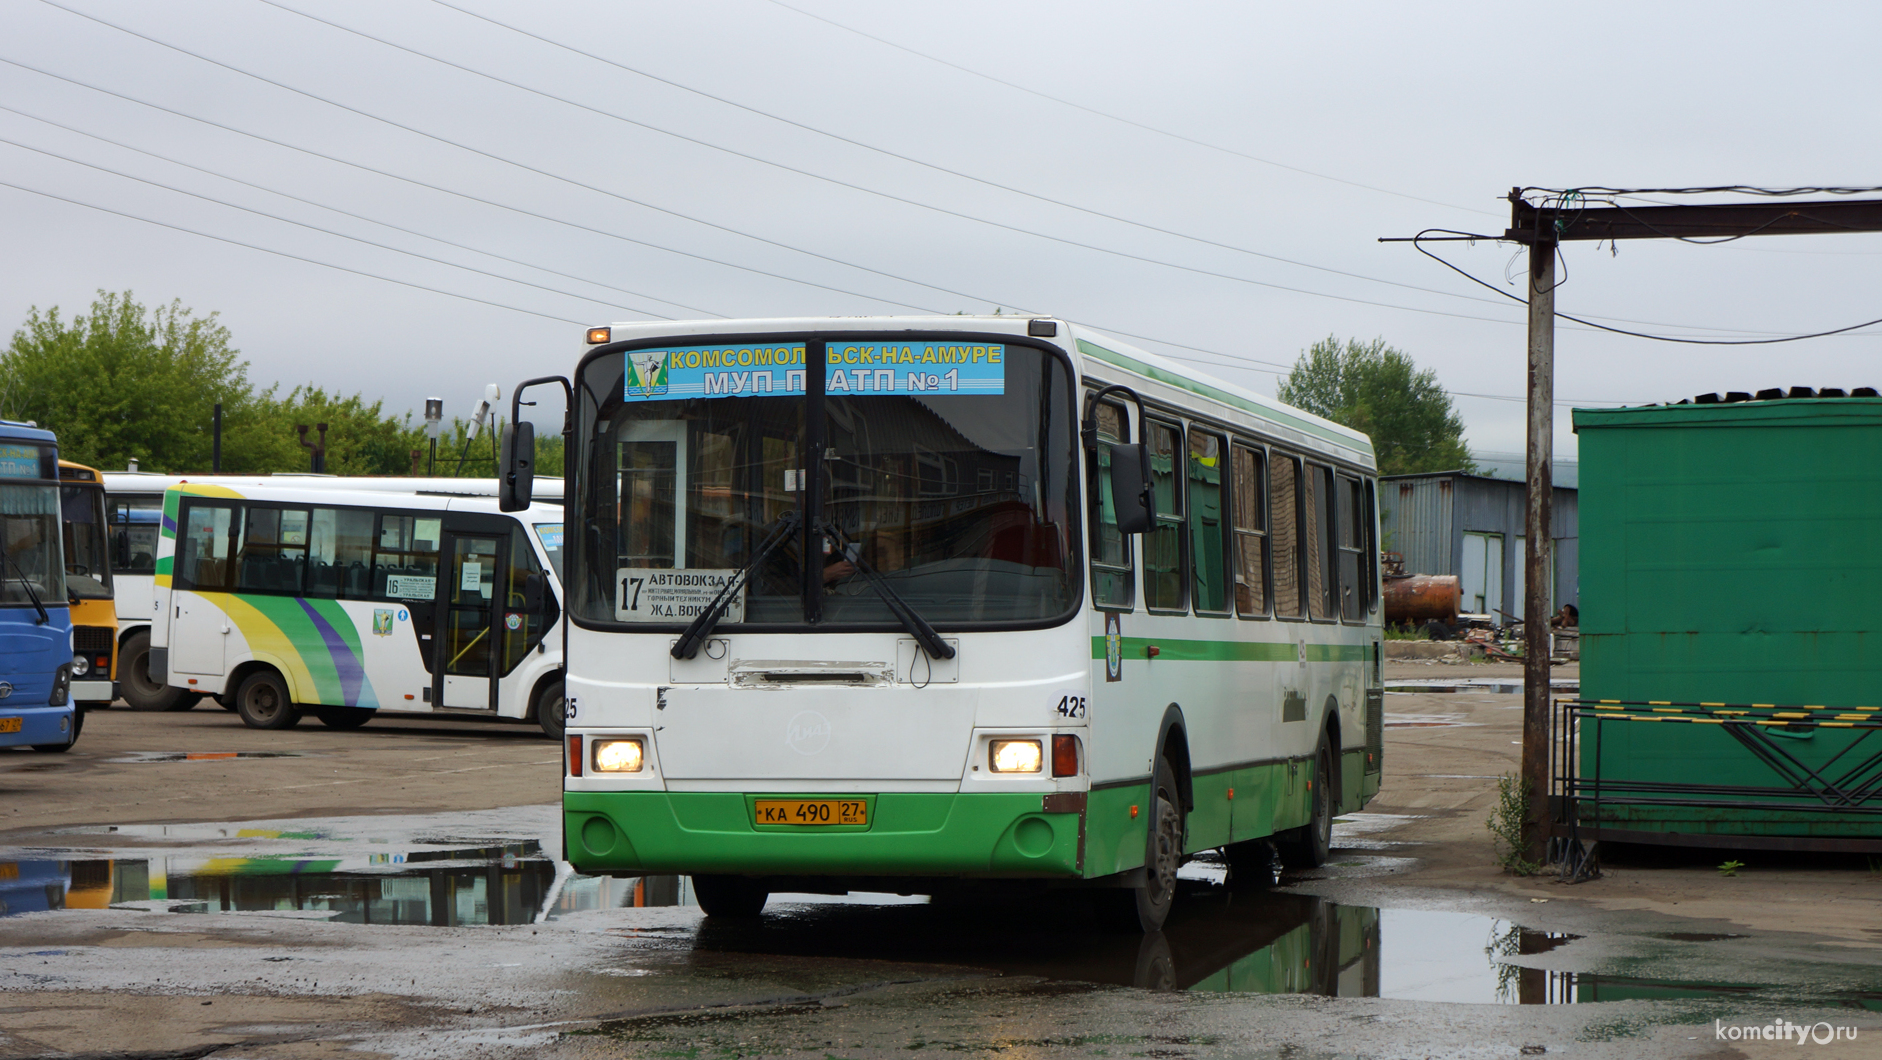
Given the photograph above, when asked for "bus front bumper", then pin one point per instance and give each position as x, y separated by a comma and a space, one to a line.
908, 834
93, 691
38, 726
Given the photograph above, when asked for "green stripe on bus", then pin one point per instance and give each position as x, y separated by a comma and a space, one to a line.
1232, 650
1092, 349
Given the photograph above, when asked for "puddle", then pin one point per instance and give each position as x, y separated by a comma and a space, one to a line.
140, 757
506, 884
1499, 686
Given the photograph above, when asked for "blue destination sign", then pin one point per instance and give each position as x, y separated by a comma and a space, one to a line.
19, 461
926, 368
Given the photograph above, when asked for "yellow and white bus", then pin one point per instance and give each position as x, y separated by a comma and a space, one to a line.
1073, 612
291, 600
88, 585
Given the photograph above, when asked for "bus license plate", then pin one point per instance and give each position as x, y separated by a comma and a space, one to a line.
9, 724
812, 811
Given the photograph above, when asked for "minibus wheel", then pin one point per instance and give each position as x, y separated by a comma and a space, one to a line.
738, 897
551, 710
134, 680
344, 717
262, 701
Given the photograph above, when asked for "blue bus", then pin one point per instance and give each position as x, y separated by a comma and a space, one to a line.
35, 614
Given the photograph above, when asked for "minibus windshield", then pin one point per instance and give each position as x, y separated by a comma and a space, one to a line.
954, 479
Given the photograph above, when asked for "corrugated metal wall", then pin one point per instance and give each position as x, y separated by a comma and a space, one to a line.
1425, 517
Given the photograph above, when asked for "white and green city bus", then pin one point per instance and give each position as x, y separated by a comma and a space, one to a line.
288, 600
1073, 612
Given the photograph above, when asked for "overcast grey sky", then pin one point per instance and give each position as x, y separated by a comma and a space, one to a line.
1328, 125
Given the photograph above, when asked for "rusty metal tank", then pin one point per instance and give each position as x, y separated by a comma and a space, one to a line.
1417, 598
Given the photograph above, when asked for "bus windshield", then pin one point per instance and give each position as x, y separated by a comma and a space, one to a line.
87, 565
29, 524
963, 497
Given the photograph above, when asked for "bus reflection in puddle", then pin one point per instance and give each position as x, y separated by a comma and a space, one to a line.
453, 888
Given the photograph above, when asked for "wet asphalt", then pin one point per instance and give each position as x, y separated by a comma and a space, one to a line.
460, 933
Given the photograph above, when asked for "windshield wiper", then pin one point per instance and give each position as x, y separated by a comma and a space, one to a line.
688, 644
44, 618
916, 625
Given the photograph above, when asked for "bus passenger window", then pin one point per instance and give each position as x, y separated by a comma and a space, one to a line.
1316, 534
1351, 540
1284, 509
1164, 587
134, 520
1251, 539
203, 552
405, 563
1113, 581
1207, 533
340, 554
1369, 558
273, 553
520, 637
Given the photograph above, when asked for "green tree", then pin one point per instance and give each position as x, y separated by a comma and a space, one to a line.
124, 381
1377, 389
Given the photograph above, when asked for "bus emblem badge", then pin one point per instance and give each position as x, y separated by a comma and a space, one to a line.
1113, 648
808, 732
382, 622
647, 373
6, 689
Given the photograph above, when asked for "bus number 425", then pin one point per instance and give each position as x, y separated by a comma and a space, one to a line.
1071, 706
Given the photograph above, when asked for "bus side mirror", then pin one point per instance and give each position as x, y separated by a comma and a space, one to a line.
1130, 487
516, 470
532, 592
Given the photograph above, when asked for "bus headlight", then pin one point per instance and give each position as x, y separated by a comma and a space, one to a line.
1014, 756
61, 687
619, 756
80, 665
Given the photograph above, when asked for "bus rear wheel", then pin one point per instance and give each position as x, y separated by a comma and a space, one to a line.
262, 701
1308, 846
136, 684
735, 897
551, 710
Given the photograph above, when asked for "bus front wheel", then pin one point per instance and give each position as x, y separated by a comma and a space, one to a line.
739, 897
1147, 905
262, 701
136, 684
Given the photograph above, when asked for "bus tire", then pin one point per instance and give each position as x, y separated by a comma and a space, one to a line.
733, 897
1307, 847
262, 701
551, 710
134, 680
344, 718
1147, 905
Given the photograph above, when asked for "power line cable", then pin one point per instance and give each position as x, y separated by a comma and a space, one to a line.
860, 144
343, 213
1114, 117
902, 157
285, 254
458, 194
323, 231
682, 216
1419, 246
511, 162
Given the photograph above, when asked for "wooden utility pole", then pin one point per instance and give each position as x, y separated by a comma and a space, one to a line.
1539, 454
